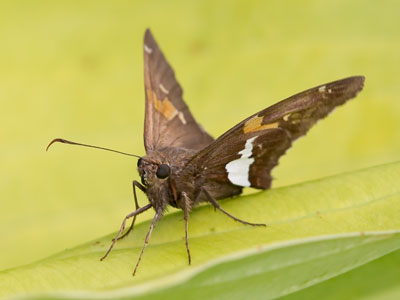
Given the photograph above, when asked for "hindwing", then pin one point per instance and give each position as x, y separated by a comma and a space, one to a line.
246, 154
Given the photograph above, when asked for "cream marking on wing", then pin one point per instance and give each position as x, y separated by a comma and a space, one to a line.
322, 89
255, 124
329, 91
182, 118
162, 88
238, 169
147, 49
286, 117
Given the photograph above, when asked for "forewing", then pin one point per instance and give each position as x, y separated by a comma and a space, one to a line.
168, 121
246, 154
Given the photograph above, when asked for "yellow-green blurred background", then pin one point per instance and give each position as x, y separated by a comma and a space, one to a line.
74, 69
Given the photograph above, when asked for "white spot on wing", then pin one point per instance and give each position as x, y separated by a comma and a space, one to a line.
238, 169
147, 49
182, 118
322, 89
165, 91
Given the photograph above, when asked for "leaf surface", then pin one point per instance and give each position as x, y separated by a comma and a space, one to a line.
316, 230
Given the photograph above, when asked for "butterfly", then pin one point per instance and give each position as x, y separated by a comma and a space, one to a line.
184, 165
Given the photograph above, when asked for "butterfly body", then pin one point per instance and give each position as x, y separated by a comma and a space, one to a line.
162, 192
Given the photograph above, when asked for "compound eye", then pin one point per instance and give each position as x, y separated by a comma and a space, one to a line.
139, 162
163, 171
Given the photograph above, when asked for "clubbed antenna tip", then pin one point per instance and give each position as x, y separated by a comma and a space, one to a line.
90, 146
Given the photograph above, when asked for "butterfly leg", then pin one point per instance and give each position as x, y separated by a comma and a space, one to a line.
157, 217
132, 214
143, 189
186, 210
217, 206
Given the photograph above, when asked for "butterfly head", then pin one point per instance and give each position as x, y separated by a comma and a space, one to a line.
153, 172
161, 173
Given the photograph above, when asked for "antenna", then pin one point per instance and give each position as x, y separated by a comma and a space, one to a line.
58, 140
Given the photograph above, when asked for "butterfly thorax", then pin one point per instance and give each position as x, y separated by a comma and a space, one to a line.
161, 172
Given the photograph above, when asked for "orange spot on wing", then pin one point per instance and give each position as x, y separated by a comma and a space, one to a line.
254, 124
165, 107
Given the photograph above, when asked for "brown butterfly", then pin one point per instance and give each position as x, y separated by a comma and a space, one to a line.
184, 165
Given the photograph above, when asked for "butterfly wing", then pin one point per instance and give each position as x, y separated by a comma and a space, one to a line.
168, 121
246, 154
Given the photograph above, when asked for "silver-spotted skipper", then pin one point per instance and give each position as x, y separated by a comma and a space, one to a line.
184, 165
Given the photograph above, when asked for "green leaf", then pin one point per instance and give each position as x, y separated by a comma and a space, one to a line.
376, 280
281, 270
295, 251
